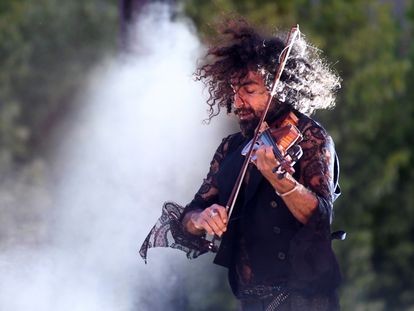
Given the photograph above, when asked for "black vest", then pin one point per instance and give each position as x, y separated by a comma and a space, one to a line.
260, 218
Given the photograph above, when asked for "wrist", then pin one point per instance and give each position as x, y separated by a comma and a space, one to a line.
285, 186
285, 193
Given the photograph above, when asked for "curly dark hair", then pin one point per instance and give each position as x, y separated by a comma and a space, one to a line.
306, 84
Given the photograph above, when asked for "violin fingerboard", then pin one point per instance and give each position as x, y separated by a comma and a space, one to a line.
294, 136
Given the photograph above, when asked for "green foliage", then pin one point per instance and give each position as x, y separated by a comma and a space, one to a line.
206, 14
371, 126
46, 47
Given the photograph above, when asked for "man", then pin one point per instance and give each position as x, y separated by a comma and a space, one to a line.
277, 243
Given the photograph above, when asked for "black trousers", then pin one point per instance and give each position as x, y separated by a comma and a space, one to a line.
255, 304
295, 302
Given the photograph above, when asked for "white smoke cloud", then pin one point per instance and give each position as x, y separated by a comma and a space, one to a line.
137, 141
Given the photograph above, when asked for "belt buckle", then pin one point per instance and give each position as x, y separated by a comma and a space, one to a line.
261, 290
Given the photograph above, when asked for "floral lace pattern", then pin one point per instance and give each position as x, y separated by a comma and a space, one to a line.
170, 232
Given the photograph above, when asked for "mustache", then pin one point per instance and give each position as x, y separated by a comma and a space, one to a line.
244, 110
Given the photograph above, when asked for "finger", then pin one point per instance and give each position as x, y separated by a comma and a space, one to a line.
269, 153
260, 154
261, 151
214, 226
270, 161
265, 151
222, 213
206, 226
208, 215
216, 212
218, 222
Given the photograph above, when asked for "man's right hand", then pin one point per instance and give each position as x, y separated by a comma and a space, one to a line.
213, 220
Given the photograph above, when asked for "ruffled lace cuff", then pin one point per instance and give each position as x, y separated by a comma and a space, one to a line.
170, 232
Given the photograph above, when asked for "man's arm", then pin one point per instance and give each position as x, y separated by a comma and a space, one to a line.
316, 170
202, 214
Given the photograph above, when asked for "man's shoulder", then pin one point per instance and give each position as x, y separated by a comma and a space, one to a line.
309, 126
234, 136
314, 131
231, 141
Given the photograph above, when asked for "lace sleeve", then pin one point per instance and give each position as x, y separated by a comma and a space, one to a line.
208, 192
169, 230
314, 266
317, 169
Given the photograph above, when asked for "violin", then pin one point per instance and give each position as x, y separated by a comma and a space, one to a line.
284, 142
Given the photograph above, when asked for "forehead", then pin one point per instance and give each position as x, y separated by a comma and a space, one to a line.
252, 78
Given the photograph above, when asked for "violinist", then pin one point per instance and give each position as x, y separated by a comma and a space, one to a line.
277, 242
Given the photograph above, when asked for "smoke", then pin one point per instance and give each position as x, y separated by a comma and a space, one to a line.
136, 141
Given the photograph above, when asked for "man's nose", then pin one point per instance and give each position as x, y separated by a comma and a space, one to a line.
238, 101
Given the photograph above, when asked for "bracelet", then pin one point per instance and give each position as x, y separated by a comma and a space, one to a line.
290, 191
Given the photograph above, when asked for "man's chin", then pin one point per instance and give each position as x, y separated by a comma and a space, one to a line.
248, 126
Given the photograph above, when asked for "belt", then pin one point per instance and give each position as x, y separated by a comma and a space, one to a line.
260, 291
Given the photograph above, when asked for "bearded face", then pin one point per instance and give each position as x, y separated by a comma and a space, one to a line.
247, 126
250, 99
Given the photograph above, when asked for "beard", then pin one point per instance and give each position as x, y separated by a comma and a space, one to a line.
248, 127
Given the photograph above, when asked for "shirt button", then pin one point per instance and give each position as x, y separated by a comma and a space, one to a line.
273, 204
276, 230
281, 256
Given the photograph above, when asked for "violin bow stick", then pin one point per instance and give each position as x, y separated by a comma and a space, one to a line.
293, 34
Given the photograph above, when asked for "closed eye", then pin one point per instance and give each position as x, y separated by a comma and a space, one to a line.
250, 91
